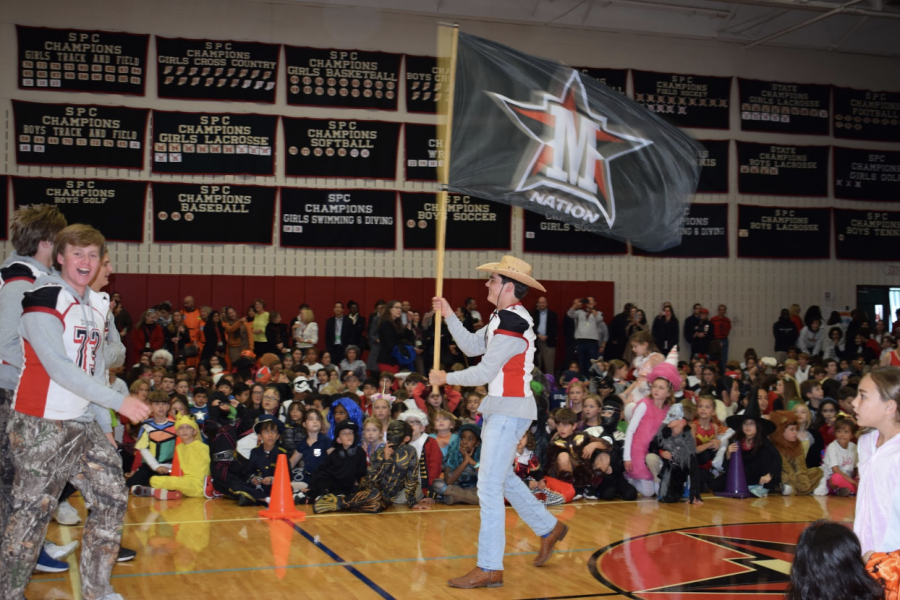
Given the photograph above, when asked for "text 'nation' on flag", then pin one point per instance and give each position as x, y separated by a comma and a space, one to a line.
534, 133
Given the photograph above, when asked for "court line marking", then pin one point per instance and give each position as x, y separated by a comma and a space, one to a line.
340, 563
334, 556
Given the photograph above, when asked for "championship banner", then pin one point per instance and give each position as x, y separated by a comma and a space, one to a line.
425, 82
4, 205
865, 115
714, 164
214, 143
866, 234
685, 100
866, 174
472, 223
424, 152
355, 219
784, 107
115, 207
537, 134
782, 232
782, 170
216, 70
78, 60
341, 148
544, 235
80, 135
704, 234
342, 78
192, 213
614, 79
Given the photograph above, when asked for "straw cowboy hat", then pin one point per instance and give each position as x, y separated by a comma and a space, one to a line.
514, 268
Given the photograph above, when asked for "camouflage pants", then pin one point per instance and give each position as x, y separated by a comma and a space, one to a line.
46, 454
7, 472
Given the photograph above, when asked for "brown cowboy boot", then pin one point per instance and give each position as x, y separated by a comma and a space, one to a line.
547, 543
477, 578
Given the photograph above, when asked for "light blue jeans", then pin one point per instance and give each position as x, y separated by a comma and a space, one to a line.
497, 480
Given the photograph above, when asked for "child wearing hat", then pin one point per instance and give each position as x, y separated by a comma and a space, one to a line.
796, 477
646, 419
261, 466
340, 472
762, 463
674, 443
193, 457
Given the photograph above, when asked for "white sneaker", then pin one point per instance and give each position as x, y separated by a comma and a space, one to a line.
786, 490
59, 552
66, 514
112, 596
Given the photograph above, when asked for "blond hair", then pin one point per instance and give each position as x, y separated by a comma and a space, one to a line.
78, 236
32, 225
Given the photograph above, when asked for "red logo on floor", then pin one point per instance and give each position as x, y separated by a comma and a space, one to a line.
702, 563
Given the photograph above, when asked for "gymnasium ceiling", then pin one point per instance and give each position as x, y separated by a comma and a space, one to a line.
870, 27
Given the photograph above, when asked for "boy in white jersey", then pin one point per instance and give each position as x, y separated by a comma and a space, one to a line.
53, 435
507, 343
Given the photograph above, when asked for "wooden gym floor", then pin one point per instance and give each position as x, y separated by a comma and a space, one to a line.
212, 549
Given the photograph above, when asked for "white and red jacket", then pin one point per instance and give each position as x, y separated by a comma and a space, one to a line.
61, 335
507, 343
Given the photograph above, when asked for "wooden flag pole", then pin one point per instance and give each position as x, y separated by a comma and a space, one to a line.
448, 39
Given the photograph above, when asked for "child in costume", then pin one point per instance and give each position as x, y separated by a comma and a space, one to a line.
342, 469
373, 437
565, 455
431, 461
313, 447
648, 415
612, 473
796, 478
674, 442
156, 442
193, 458
762, 463
344, 409
527, 467
878, 407
261, 465
226, 465
394, 468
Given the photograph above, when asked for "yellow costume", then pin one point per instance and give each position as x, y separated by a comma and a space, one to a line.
194, 461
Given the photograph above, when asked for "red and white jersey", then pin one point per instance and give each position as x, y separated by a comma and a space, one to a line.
514, 379
83, 329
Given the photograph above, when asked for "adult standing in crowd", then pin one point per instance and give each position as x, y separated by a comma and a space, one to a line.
665, 329
546, 328
194, 323
239, 339
691, 326
337, 328
214, 337
304, 329
591, 333
148, 336
260, 322
785, 333
618, 336
54, 437
374, 345
357, 323
391, 333
508, 411
721, 329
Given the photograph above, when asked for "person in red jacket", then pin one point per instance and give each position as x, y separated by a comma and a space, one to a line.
721, 328
147, 334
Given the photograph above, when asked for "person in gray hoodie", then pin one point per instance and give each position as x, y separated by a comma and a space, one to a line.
53, 433
32, 230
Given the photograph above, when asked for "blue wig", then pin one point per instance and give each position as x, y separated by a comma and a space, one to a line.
353, 410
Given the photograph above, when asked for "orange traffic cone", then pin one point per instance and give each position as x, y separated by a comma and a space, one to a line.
281, 503
176, 471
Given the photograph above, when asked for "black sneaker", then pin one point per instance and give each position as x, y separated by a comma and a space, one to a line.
246, 500
125, 554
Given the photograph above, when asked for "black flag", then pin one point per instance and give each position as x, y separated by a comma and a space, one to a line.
534, 133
